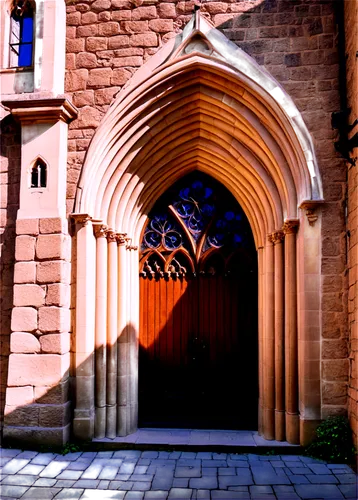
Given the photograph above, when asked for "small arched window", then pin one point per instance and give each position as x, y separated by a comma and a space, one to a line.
39, 174
21, 34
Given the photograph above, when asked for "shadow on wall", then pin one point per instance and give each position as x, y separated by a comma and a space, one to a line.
10, 150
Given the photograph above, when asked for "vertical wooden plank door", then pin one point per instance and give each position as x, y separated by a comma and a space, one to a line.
198, 311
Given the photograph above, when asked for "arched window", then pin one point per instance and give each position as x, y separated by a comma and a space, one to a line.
39, 174
21, 34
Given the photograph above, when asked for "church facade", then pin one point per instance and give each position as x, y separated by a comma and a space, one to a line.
178, 217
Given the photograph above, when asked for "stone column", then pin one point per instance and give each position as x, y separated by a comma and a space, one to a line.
112, 335
277, 239
100, 232
268, 345
260, 255
83, 424
291, 346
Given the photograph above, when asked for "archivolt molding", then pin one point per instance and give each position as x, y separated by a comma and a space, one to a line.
212, 109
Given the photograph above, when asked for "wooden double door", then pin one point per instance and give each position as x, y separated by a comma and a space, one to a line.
198, 312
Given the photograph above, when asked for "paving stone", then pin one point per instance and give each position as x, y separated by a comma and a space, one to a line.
245, 478
70, 457
155, 495
41, 493
134, 495
13, 491
65, 483
163, 479
92, 472
342, 467
322, 479
141, 486
262, 476
286, 493
175, 455
70, 474
290, 458
277, 463
105, 454
209, 471
179, 493
15, 465
53, 469
89, 454
311, 491
164, 454
86, 483
140, 469
203, 495
229, 495
4, 461
187, 471
102, 495
69, 494
122, 477
127, 454
205, 483
180, 482
10, 452
45, 482
349, 490
18, 480
150, 454
240, 458
299, 470
43, 459
260, 489
126, 468
299, 480
190, 462
115, 485
311, 460
204, 455
214, 463
32, 470
103, 485
319, 468
79, 465
142, 477
28, 454
108, 472
188, 454
347, 478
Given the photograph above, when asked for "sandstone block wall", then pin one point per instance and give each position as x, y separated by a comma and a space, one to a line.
10, 145
351, 16
296, 40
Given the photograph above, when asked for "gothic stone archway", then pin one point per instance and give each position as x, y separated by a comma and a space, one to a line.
199, 106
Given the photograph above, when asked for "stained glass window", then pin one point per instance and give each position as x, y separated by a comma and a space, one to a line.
197, 217
22, 34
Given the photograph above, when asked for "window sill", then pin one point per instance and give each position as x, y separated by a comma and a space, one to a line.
20, 69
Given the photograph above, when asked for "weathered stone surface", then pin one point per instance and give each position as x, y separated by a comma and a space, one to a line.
37, 369
25, 248
23, 342
25, 272
27, 226
29, 295
53, 272
24, 319
18, 396
54, 319
53, 246
58, 343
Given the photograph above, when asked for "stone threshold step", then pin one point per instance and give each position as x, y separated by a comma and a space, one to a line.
196, 440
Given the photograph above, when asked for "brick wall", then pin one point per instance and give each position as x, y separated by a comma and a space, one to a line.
9, 199
296, 41
351, 13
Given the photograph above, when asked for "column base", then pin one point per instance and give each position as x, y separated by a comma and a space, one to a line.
83, 425
307, 431
292, 428
127, 420
280, 434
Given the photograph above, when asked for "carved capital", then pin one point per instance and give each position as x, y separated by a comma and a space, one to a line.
290, 226
111, 236
310, 207
100, 230
82, 219
121, 238
276, 237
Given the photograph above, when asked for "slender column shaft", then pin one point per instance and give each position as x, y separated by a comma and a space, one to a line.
291, 347
268, 346
122, 379
101, 331
112, 336
260, 258
279, 337
83, 425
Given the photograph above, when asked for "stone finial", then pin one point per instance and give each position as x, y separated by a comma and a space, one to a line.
276, 237
290, 226
310, 206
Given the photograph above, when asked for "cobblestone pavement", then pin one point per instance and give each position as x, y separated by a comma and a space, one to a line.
132, 474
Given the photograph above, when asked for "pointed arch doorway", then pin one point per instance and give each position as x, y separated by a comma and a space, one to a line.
198, 354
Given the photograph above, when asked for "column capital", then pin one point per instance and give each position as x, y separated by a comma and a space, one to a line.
290, 226
121, 238
82, 219
111, 235
100, 230
276, 236
310, 207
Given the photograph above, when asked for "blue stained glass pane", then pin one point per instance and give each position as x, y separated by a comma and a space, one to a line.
25, 55
197, 185
229, 215
27, 29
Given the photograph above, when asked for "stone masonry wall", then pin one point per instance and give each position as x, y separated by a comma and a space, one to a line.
351, 16
296, 40
10, 153
37, 394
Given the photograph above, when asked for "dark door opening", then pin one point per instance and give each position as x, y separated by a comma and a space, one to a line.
198, 357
